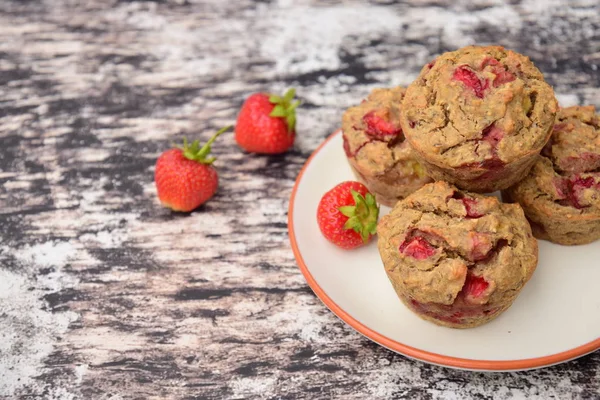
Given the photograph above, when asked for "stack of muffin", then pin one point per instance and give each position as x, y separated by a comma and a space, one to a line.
476, 120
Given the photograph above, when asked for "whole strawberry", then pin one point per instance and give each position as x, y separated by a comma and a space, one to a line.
267, 123
347, 215
185, 177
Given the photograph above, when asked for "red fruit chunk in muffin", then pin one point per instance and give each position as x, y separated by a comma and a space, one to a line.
502, 75
379, 127
585, 161
417, 247
474, 286
480, 246
470, 204
492, 134
467, 76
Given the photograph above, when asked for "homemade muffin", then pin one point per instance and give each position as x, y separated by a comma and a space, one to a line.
455, 258
477, 117
376, 149
561, 194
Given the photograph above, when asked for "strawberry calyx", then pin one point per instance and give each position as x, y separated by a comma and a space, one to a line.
285, 108
199, 154
362, 216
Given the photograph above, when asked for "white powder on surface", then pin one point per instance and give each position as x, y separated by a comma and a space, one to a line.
29, 330
309, 41
252, 386
45, 254
382, 381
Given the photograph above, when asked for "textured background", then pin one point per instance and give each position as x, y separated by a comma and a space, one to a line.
105, 295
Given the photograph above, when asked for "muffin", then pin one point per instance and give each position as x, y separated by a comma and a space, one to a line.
456, 258
478, 117
376, 150
561, 194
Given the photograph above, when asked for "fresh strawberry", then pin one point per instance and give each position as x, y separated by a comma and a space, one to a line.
267, 123
347, 215
185, 177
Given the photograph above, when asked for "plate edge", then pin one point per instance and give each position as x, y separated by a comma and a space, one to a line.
408, 351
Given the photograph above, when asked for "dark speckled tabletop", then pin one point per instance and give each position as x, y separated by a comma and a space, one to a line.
106, 295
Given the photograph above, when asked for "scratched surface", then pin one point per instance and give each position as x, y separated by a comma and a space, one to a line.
106, 295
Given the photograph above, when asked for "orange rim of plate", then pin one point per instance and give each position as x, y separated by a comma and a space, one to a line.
434, 358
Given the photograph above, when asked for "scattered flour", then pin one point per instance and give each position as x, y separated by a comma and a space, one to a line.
258, 385
45, 254
59, 393
308, 325
29, 330
311, 39
383, 380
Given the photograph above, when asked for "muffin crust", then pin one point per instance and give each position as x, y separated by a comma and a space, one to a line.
561, 194
456, 258
376, 150
477, 117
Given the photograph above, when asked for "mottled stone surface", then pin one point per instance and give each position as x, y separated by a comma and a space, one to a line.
106, 295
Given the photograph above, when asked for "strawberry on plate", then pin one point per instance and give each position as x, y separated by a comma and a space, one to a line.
347, 215
267, 123
185, 178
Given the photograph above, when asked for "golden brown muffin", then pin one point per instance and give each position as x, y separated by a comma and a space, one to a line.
456, 258
376, 149
477, 117
561, 194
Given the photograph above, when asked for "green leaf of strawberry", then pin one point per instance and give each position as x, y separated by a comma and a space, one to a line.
196, 153
362, 217
284, 108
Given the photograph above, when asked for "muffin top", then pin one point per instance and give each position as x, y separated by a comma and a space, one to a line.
566, 178
441, 242
372, 134
480, 107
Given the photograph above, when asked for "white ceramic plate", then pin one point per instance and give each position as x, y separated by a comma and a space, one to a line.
556, 318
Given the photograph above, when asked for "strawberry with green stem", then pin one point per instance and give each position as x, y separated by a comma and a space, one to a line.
185, 177
347, 215
266, 123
